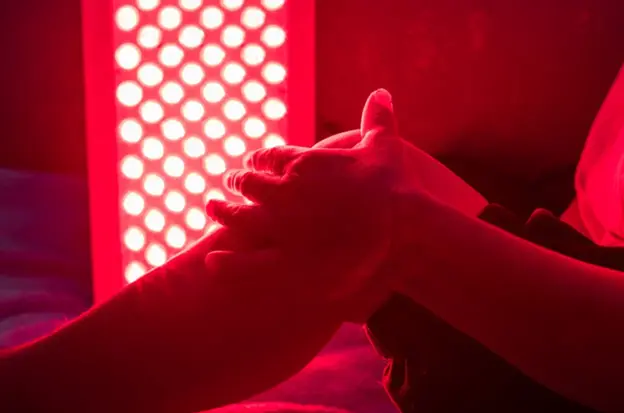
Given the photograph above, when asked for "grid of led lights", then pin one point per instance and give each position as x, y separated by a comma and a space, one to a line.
199, 84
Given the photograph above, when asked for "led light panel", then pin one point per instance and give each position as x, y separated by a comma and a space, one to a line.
178, 91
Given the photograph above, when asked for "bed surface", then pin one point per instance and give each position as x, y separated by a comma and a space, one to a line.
44, 281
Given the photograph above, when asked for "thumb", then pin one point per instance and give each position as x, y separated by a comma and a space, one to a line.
378, 115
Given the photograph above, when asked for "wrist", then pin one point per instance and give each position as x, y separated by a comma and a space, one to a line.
424, 236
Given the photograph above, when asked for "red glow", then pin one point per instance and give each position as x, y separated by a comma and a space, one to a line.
194, 87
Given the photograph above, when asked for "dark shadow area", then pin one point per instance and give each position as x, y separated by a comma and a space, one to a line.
42, 87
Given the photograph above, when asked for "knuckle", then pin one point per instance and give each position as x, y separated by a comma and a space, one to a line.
218, 261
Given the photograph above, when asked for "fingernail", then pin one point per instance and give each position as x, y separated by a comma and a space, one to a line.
384, 98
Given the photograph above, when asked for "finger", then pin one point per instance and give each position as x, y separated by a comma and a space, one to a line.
344, 140
244, 219
273, 160
378, 118
255, 186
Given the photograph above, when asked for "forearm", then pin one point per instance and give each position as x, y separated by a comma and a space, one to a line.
441, 183
555, 318
148, 350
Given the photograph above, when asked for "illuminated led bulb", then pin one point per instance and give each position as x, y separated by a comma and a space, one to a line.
130, 131
274, 73
171, 55
234, 146
128, 56
195, 183
134, 239
129, 93
193, 111
233, 73
274, 109
155, 255
254, 128
194, 147
253, 54
272, 141
190, 5
254, 91
148, 5
151, 111
127, 18
173, 166
154, 220
273, 36
154, 185
272, 4
191, 37
232, 4
149, 37
132, 167
213, 92
214, 129
169, 18
211, 18
252, 17
232, 36
172, 129
212, 55
214, 194
150, 75
214, 164
133, 204
175, 237
134, 271
196, 219
175, 202
152, 148
172, 93
192, 74
234, 110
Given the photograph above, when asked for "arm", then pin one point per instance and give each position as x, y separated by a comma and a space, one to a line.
180, 339
430, 175
182, 342
557, 319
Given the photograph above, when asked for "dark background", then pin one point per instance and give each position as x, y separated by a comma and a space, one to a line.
503, 91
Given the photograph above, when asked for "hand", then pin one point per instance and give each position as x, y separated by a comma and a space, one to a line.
328, 208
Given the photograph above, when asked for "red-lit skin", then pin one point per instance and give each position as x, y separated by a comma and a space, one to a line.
181, 339
557, 319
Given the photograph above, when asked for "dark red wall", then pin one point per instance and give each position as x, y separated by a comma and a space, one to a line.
42, 119
503, 85
500, 89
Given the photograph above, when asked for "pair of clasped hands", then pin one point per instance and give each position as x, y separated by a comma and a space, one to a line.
329, 215
321, 244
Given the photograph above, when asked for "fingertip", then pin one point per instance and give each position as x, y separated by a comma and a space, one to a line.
378, 113
248, 160
214, 208
232, 179
383, 98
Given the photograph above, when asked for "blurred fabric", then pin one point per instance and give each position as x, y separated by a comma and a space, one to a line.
600, 172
